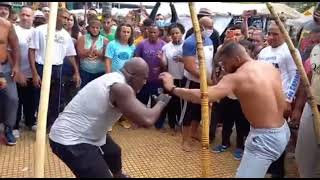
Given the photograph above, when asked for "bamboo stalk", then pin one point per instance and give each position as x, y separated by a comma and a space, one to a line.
297, 59
205, 155
40, 144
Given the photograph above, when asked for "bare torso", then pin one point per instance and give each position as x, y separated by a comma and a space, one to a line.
259, 91
5, 26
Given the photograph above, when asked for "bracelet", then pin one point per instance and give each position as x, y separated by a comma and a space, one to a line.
172, 89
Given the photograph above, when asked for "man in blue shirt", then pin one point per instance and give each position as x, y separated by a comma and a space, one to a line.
191, 64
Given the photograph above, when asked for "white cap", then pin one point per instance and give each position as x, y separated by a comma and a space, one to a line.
38, 14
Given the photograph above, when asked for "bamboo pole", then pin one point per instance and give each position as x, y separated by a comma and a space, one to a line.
205, 155
40, 145
297, 59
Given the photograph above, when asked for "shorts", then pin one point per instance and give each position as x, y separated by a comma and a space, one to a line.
193, 111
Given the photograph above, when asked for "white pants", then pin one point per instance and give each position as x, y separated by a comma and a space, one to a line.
307, 151
263, 146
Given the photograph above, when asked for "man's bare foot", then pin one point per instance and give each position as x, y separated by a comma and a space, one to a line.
188, 146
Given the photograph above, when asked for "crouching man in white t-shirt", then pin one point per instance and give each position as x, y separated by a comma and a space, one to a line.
78, 136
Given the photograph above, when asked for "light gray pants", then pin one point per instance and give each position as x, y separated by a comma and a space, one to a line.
9, 102
262, 147
307, 151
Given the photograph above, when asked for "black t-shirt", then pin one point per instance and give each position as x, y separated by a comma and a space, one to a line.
214, 38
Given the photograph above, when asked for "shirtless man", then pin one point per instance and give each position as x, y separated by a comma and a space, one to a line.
78, 137
7, 36
257, 85
9, 59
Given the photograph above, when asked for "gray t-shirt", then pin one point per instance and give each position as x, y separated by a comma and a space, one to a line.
89, 115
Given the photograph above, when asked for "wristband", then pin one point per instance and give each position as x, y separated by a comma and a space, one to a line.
1, 74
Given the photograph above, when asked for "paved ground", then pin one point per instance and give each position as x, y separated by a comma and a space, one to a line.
146, 153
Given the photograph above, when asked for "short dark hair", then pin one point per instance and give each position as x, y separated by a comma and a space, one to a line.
176, 25
247, 44
229, 49
235, 26
118, 31
147, 22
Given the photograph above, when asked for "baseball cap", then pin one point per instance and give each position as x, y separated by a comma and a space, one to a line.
8, 4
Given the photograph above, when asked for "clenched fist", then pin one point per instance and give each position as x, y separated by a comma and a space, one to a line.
167, 81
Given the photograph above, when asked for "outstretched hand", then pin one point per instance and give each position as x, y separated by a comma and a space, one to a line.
167, 80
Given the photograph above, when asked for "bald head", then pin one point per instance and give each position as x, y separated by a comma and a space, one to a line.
136, 65
206, 22
136, 72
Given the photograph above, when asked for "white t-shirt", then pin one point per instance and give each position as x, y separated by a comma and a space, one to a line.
89, 114
281, 58
24, 36
175, 68
63, 45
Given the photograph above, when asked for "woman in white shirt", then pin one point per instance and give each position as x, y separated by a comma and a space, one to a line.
171, 60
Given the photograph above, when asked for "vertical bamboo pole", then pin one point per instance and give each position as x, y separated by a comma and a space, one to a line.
297, 59
205, 155
40, 145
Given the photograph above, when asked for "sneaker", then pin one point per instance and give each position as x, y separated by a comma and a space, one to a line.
238, 154
11, 140
16, 133
220, 148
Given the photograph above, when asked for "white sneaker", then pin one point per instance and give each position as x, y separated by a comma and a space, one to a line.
34, 128
16, 133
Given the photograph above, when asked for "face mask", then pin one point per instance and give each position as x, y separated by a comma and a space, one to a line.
160, 23
207, 33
